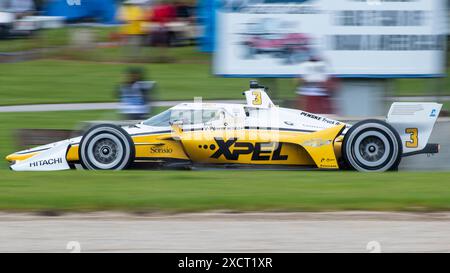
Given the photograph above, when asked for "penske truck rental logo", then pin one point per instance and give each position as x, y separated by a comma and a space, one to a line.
231, 149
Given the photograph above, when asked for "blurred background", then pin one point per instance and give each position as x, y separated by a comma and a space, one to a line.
67, 64
345, 58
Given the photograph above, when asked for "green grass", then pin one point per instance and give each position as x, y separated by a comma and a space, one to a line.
42, 39
422, 87
111, 54
53, 81
235, 190
51, 38
58, 81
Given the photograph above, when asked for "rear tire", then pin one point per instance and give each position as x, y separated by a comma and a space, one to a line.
106, 147
372, 146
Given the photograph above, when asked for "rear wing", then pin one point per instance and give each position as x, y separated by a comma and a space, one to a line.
414, 122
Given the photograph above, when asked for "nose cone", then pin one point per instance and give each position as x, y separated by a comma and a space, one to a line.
19, 156
10, 158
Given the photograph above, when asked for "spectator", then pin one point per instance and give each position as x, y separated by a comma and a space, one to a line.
183, 11
162, 15
132, 15
134, 95
185, 15
315, 86
40, 4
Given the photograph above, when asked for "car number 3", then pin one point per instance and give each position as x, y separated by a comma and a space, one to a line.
414, 137
258, 99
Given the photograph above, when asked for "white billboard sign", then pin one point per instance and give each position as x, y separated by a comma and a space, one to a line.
357, 38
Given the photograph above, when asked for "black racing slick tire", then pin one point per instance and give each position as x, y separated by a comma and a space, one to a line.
106, 147
372, 146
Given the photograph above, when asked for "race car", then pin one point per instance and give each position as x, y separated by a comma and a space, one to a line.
291, 48
273, 37
257, 133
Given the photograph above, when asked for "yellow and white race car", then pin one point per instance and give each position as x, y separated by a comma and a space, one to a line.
257, 133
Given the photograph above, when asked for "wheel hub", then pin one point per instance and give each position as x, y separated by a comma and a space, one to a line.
105, 151
372, 148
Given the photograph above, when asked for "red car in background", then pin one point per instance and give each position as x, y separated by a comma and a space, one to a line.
291, 48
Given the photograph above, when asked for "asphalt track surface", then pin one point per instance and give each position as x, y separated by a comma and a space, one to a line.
226, 232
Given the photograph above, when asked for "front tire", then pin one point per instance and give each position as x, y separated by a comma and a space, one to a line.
106, 147
372, 146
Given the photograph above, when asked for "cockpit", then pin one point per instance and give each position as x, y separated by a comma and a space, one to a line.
186, 117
